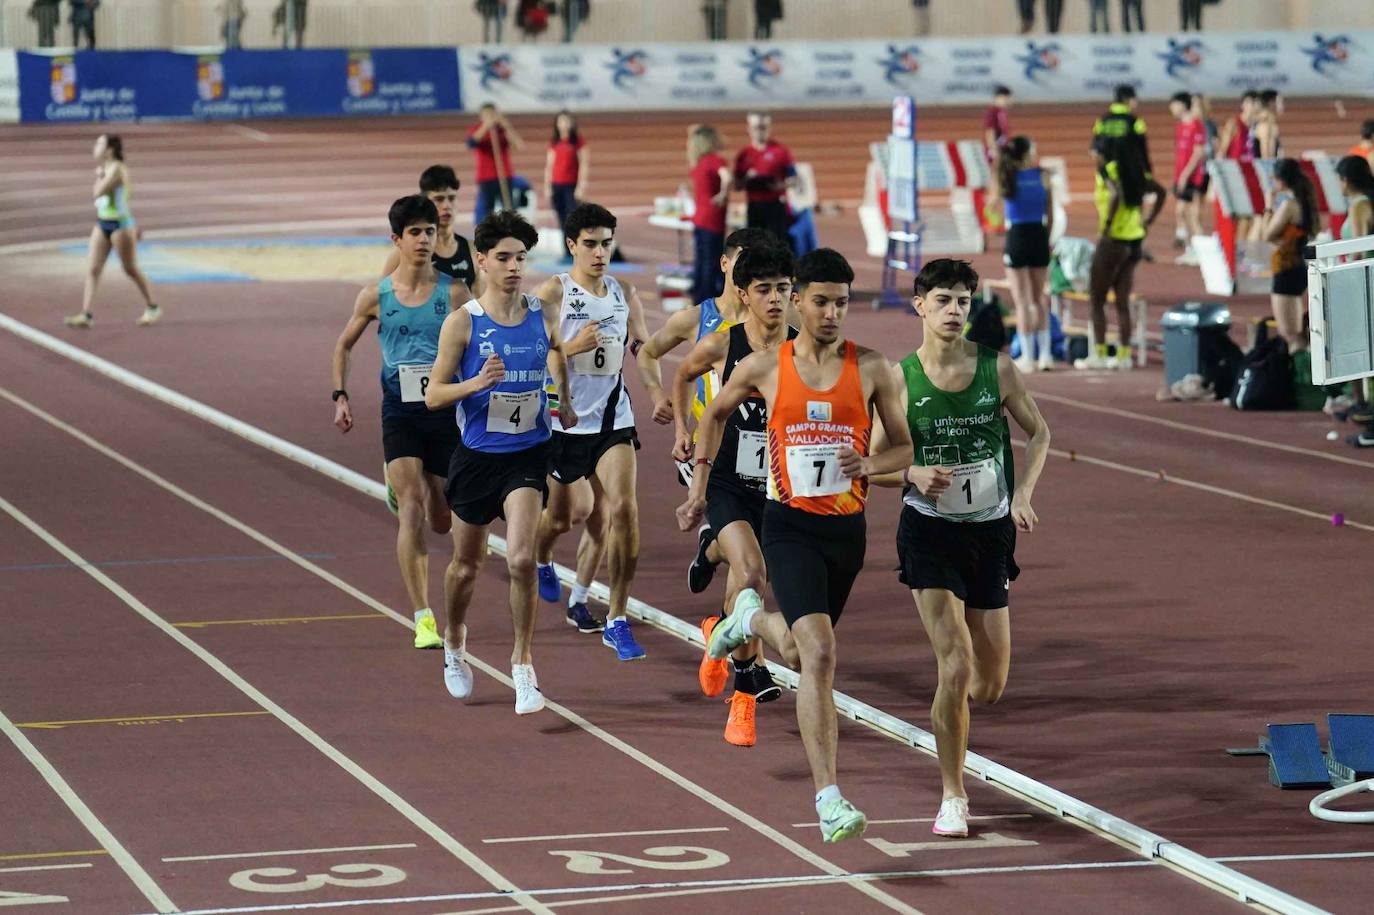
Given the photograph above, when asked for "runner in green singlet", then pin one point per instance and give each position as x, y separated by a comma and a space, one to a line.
957, 534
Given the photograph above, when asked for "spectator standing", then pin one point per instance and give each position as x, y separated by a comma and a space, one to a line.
1291, 224
1190, 15
46, 14
575, 12
1120, 125
83, 22
234, 12
566, 167
1097, 13
716, 16
1026, 10
711, 180
532, 17
1365, 148
1025, 192
1129, 8
766, 12
490, 141
290, 17
1190, 173
764, 169
997, 122
1054, 12
493, 13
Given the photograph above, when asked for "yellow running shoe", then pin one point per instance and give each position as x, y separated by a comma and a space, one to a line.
426, 632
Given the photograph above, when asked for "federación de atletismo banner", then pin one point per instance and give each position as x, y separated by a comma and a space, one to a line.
936, 71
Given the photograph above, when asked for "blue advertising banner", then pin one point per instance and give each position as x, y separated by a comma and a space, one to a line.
236, 85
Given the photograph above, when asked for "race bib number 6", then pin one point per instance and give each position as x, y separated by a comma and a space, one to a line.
814, 470
513, 414
606, 359
414, 381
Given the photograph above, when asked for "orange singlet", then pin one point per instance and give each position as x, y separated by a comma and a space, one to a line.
806, 429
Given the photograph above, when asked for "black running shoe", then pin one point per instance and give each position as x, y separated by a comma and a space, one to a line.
758, 682
702, 570
581, 617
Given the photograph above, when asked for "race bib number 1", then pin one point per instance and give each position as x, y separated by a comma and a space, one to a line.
973, 489
814, 470
513, 414
414, 381
751, 456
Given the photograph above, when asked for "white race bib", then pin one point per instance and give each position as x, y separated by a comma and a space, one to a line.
814, 470
606, 359
973, 489
751, 455
513, 414
414, 381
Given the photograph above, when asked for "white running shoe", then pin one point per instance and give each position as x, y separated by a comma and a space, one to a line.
1046, 362
149, 316
1025, 363
1094, 362
457, 674
528, 698
952, 820
1123, 363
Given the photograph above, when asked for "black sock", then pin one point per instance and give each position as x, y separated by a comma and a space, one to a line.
742, 666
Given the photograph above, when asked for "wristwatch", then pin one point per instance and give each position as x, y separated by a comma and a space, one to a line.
337, 394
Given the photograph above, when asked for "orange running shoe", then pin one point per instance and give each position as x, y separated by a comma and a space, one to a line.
739, 728
712, 674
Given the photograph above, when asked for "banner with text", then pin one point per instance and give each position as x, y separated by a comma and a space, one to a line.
9, 86
235, 85
936, 71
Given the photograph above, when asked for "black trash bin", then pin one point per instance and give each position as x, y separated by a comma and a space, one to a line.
1184, 328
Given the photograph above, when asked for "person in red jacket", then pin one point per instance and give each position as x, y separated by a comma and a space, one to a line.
764, 170
493, 132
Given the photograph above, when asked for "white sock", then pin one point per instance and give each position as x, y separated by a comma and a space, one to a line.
1042, 341
422, 613
826, 795
1024, 341
578, 593
619, 620
747, 619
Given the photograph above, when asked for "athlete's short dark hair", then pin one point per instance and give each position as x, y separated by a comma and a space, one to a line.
746, 238
503, 224
588, 216
1251, 94
946, 273
438, 178
1183, 98
407, 211
1123, 93
823, 265
1367, 130
763, 262
1000, 89
1268, 97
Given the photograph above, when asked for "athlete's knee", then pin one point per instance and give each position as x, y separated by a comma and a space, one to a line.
520, 563
987, 690
461, 572
624, 515
753, 574
955, 665
819, 656
410, 509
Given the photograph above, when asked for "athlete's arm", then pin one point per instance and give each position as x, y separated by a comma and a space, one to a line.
1273, 229
930, 481
1049, 198
1022, 408
677, 329
548, 174
1224, 138
650, 373
1199, 153
584, 171
723, 197
557, 362
750, 374
709, 351
364, 313
550, 292
1153, 187
442, 391
886, 401
1113, 204
109, 179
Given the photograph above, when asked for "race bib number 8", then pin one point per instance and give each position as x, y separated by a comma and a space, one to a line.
414, 381
973, 489
606, 359
814, 470
751, 457
513, 414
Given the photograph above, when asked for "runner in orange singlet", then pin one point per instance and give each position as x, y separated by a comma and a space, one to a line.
820, 391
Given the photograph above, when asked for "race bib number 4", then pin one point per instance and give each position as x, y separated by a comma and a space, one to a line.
973, 489
606, 359
814, 470
414, 381
513, 414
751, 456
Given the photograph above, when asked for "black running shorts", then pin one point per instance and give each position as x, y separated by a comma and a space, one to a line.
975, 560
812, 559
572, 457
479, 481
431, 437
726, 504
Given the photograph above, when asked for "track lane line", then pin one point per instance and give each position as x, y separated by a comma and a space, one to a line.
127, 863
291, 851
328, 750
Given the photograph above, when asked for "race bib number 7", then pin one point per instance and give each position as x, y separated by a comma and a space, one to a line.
814, 470
513, 414
973, 489
414, 381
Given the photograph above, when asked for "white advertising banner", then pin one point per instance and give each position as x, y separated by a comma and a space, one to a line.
9, 86
936, 71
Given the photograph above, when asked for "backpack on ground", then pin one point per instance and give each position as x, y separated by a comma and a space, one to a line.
1266, 381
1220, 362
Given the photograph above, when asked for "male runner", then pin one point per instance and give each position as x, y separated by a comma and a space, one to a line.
957, 534
493, 355
736, 493
410, 303
603, 319
819, 390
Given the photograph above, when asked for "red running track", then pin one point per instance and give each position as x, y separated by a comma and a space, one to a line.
1157, 622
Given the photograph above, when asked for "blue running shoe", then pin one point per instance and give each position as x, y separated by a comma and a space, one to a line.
550, 589
617, 635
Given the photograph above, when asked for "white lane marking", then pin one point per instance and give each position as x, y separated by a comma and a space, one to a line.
43, 867
293, 851
1066, 807
1312, 856
328, 750
607, 835
990, 816
1201, 430
250, 133
137, 875
402, 806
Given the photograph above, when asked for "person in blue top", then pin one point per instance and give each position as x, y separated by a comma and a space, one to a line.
1029, 208
493, 354
409, 305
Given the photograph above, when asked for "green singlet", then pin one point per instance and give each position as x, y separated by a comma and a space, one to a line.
966, 432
